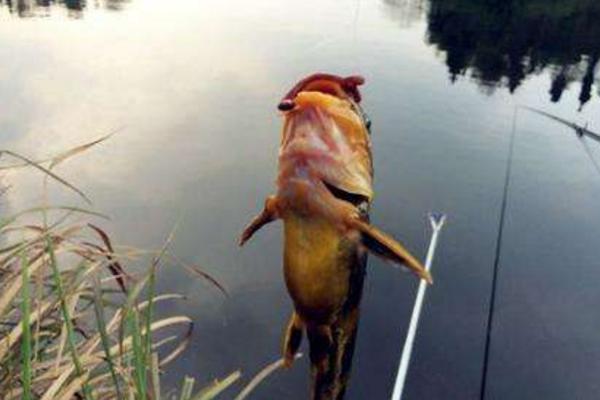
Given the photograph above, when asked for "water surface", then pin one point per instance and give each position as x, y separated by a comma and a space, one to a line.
193, 86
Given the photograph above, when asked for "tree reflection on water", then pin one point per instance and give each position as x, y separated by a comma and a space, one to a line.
41, 8
500, 43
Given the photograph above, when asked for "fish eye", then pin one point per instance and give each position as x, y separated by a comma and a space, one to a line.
286, 105
366, 120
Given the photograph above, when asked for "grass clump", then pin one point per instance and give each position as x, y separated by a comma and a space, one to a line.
73, 323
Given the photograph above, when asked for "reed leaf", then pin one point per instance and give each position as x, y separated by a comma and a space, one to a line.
25, 321
187, 387
48, 173
66, 317
101, 323
217, 387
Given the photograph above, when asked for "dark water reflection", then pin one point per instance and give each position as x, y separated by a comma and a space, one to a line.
194, 85
42, 8
502, 43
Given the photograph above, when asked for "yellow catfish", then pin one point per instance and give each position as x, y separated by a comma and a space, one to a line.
324, 189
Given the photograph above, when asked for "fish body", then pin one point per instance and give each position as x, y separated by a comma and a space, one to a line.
326, 287
324, 192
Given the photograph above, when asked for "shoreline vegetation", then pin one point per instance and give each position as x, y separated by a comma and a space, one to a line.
74, 323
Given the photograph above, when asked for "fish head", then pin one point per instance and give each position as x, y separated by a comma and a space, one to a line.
325, 164
325, 146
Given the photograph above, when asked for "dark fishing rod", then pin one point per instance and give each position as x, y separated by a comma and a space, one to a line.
582, 132
492, 301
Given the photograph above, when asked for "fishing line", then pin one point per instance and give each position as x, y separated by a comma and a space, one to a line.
588, 151
492, 302
353, 57
355, 36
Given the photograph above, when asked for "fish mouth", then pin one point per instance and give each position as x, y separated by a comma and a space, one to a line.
325, 83
353, 198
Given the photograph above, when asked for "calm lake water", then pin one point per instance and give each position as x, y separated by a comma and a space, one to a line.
193, 86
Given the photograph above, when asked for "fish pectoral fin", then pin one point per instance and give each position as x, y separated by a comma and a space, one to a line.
388, 248
268, 214
292, 339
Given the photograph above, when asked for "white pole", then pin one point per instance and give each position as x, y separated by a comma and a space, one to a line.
437, 221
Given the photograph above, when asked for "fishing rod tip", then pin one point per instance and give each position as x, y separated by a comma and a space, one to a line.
437, 219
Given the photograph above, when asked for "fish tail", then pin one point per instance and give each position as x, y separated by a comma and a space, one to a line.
331, 350
323, 366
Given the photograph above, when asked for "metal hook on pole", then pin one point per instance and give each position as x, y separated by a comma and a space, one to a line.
437, 222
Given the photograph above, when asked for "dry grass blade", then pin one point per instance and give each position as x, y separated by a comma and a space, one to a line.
75, 386
14, 217
114, 266
195, 270
217, 387
186, 390
261, 376
154, 365
26, 343
180, 347
55, 160
48, 173
9, 292
79, 149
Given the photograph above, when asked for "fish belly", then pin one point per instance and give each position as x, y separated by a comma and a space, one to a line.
318, 266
